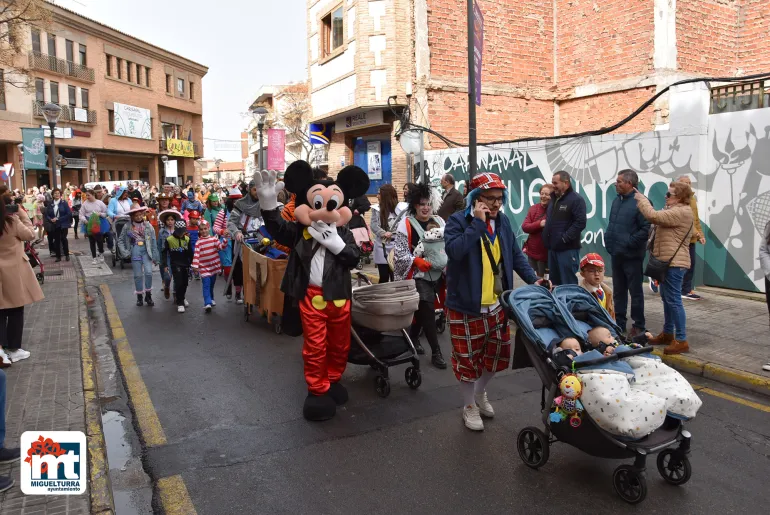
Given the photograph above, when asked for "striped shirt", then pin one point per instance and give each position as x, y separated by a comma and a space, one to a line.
206, 257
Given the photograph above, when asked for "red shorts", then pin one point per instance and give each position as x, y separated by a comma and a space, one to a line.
479, 342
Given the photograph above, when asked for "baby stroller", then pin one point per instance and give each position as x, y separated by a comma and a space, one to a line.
35, 261
540, 318
117, 229
364, 242
378, 311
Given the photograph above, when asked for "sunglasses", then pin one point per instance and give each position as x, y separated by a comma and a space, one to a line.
491, 200
669, 195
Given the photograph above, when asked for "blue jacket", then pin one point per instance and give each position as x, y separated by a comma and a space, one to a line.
565, 221
627, 230
64, 219
462, 238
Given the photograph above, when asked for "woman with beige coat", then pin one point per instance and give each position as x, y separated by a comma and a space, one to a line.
673, 226
18, 285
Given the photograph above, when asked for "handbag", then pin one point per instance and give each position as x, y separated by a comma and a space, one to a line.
657, 269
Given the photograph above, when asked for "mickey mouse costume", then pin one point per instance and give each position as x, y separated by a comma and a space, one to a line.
318, 272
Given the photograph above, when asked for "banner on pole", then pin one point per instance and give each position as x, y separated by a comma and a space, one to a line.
478, 47
276, 149
34, 149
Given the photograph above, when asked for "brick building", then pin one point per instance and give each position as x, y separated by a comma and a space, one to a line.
93, 71
549, 67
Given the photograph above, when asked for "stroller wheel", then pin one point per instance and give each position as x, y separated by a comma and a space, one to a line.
382, 386
533, 447
122, 264
674, 468
629, 484
114, 261
278, 328
360, 265
40, 277
441, 323
413, 377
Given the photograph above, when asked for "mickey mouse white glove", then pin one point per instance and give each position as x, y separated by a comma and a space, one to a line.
267, 189
326, 235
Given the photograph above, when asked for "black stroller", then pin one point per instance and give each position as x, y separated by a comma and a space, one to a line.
539, 316
381, 314
117, 229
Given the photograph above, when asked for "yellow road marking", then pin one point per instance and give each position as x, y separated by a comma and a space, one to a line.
174, 496
146, 416
733, 398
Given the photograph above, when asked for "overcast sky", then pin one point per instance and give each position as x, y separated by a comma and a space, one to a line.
244, 43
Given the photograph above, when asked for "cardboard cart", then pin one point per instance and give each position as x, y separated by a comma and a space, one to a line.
262, 278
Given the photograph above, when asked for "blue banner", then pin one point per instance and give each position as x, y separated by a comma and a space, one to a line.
320, 133
34, 149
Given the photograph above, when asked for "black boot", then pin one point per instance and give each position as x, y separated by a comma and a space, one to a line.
438, 359
339, 393
148, 299
418, 347
139, 299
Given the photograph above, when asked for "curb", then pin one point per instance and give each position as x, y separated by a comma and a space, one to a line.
100, 490
720, 373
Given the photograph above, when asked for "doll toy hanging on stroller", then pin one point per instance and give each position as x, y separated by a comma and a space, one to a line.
541, 321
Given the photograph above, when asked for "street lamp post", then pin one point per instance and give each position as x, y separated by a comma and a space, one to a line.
51, 112
165, 168
20, 146
260, 113
219, 177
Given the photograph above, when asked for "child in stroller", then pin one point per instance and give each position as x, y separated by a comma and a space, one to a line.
542, 320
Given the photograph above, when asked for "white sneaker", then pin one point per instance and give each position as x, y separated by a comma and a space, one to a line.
5, 361
100, 257
472, 419
485, 408
186, 304
207, 308
766, 367
180, 309
238, 300
18, 355
95, 261
213, 302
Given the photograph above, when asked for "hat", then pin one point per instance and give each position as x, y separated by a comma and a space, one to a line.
194, 214
235, 193
487, 181
214, 197
179, 225
163, 216
204, 223
136, 208
163, 196
41, 198
592, 259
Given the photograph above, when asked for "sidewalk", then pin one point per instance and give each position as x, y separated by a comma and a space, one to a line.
45, 392
729, 335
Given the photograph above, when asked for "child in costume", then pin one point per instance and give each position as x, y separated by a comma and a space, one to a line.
138, 240
193, 222
192, 204
179, 253
167, 219
592, 279
206, 262
318, 271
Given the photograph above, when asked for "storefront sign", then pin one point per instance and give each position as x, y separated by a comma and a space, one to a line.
132, 122
358, 121
180, 148
374, 160
59, 132
34, 149
74, 162
276, 149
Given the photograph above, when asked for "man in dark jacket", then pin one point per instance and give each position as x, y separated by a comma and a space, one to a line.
565, 221
451, 200
483, 255
626, 243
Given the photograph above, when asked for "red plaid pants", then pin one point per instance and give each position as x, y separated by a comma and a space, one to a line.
479, 342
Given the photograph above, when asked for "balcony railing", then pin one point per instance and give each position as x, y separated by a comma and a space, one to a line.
51, 63
67, 113
163, 147
740, 97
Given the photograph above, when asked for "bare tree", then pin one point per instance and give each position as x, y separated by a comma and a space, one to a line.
294, 116
16, 16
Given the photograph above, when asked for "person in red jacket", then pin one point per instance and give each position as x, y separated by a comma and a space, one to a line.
537, 255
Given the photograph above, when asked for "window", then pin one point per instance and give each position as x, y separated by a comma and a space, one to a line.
36, 41
332, 32
82, 52
129, 66
52, 45
147, 77
2, 90
84, 98
54, 92
109, 65
110, 120
39, 87
139, 74
168, 83
192, 91
72, 95
169, 130
180, 86
70, 46
119, 65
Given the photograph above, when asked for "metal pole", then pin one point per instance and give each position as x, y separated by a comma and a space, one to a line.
471, 96
53, 154
259, 164
423, 175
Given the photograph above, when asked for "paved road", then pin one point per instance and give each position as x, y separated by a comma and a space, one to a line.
228, 395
